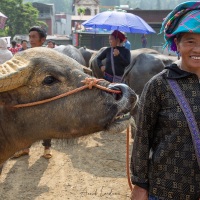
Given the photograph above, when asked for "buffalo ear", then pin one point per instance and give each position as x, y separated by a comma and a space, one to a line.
87, 70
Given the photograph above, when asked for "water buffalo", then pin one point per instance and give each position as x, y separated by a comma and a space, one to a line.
34, 105
96, 72
145, 63
72, 52
143, 67
87, 54
134, 53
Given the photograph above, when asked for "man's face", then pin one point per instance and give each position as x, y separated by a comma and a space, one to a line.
24, 45
50, 45
35, 40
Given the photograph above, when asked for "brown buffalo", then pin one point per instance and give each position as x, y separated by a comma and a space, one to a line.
36, 75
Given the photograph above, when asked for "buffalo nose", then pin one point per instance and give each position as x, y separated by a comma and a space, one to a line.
126, 92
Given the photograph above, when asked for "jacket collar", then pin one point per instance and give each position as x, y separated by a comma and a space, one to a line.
174, 72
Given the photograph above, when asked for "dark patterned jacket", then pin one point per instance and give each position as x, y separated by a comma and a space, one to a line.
163, 157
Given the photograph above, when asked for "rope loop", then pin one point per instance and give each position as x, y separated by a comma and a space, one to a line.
91, 82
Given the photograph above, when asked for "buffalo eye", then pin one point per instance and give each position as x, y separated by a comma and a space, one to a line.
49, 80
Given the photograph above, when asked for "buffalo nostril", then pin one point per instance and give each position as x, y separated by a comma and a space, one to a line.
125, 91
117, 96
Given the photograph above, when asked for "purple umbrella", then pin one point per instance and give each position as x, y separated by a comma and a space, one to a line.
3, 19
122, 21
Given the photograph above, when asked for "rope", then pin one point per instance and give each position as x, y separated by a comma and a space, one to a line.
89, 83
127, 159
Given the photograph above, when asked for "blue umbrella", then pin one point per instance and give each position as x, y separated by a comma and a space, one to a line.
122, 21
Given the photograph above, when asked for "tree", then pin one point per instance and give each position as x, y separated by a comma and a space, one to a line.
81, 11
20, 17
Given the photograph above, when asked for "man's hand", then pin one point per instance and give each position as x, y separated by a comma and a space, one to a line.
139, 193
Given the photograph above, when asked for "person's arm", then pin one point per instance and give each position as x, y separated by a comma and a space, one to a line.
101, 57
124, 58
146, 119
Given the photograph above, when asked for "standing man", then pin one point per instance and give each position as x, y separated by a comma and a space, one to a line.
51, 44
37, 37
127, 44
144, 41
24, 44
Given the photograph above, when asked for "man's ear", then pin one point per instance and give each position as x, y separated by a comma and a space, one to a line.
43, 40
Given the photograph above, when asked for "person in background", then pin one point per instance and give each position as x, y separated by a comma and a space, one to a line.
165, 160
24, 44
120, 55
37, 37
14, 49
5, 54
51, 44
127, 44
144, 41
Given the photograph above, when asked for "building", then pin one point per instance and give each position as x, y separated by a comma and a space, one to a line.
47, 14
153, 17
91, 7
58, 25
63, 24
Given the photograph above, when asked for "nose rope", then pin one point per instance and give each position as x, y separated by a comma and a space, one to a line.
88, 83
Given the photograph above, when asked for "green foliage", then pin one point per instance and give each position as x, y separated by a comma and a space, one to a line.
81, 11
20, 17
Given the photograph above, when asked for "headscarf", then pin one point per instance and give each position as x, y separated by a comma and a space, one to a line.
3, 44
5, 54
118, 34
185, 18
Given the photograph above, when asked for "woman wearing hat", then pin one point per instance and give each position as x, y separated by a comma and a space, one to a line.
117, 58
5, 54
165, 160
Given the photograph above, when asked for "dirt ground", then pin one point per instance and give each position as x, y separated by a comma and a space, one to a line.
89, 168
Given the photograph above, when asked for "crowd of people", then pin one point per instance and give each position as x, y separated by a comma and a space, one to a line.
17, 47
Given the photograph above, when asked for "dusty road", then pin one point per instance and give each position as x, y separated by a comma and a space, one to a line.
90, 168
